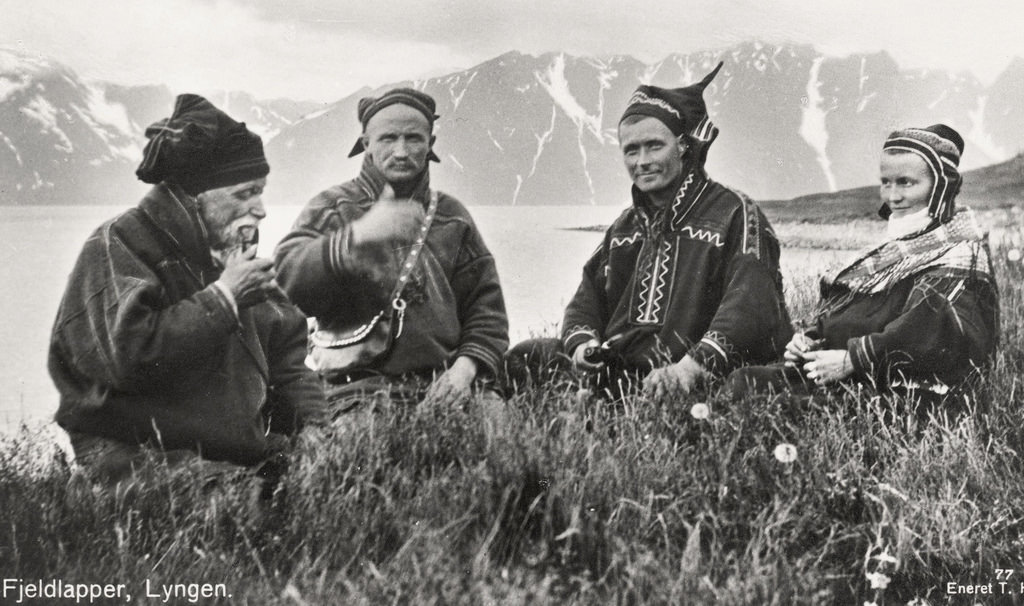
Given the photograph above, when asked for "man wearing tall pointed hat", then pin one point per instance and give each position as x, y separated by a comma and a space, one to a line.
172, 336
685, 285
404, 292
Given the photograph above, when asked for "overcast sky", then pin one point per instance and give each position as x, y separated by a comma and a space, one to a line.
325, 49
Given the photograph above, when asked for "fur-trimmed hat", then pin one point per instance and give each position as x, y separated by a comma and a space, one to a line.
200, 148
940, 147
418, 100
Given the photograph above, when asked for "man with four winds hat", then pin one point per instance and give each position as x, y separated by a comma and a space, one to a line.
685, 285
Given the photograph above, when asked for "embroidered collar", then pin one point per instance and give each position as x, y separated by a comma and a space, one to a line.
686, 198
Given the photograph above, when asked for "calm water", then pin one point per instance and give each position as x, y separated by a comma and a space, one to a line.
539, 263
538, 260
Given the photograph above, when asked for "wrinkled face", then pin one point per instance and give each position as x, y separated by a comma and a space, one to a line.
906, 183
653, 155
232, 214
398, 139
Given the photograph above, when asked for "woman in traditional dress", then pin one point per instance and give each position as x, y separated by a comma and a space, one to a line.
916, 315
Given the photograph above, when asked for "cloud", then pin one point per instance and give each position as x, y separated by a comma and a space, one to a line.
195, 45
323, 49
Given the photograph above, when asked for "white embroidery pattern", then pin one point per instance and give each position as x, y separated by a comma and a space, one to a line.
702, 234
639, 97
653, 286
624, 240
679, 213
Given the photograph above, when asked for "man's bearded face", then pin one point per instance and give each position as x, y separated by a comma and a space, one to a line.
398, 140
232, 214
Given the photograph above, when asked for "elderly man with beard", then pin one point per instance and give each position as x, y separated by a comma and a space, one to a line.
172, 336
387, 244
685, 285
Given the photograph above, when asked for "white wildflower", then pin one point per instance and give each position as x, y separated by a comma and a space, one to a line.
886, 558
878, 580
785, 453
700, 411
1013, 255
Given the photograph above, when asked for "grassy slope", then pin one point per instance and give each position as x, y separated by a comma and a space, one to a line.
649, 506
995, 187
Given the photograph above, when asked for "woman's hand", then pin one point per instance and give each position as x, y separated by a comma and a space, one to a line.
827, 365
799, 345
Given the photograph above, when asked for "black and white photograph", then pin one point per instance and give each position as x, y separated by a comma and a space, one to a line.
465, 302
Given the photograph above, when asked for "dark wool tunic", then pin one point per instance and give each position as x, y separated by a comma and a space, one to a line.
455, 304
146, 349
934, 328
700, 277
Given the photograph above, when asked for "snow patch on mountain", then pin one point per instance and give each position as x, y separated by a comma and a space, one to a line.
555, 83
42, 111
812, 126
652, 70
457, 97
9, 86
519, 185
18, 70
494, 141
979, 136
686, 68
542, 140
942, 97
13, 148
586, 172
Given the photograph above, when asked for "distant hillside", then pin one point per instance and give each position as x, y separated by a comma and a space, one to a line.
991, 187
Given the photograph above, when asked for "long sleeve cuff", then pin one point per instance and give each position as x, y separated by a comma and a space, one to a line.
862, 354
716, 353
578, 335
336, 248
487, 360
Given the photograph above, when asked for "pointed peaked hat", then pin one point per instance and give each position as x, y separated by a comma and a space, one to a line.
682, 110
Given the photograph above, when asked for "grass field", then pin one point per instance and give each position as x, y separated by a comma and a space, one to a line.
577, 504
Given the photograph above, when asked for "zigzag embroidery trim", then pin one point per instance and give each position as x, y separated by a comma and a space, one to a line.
624, 240
704, 235
678, 211
576, 330
721, 344
716, 347
653, 286
681, 195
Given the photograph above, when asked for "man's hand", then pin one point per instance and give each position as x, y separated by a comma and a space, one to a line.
455, 385
579, 362
675, 379
798, 346
828, 365
248, 278
389, 220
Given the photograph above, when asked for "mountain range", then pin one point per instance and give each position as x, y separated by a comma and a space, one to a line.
67, 141
528, 130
